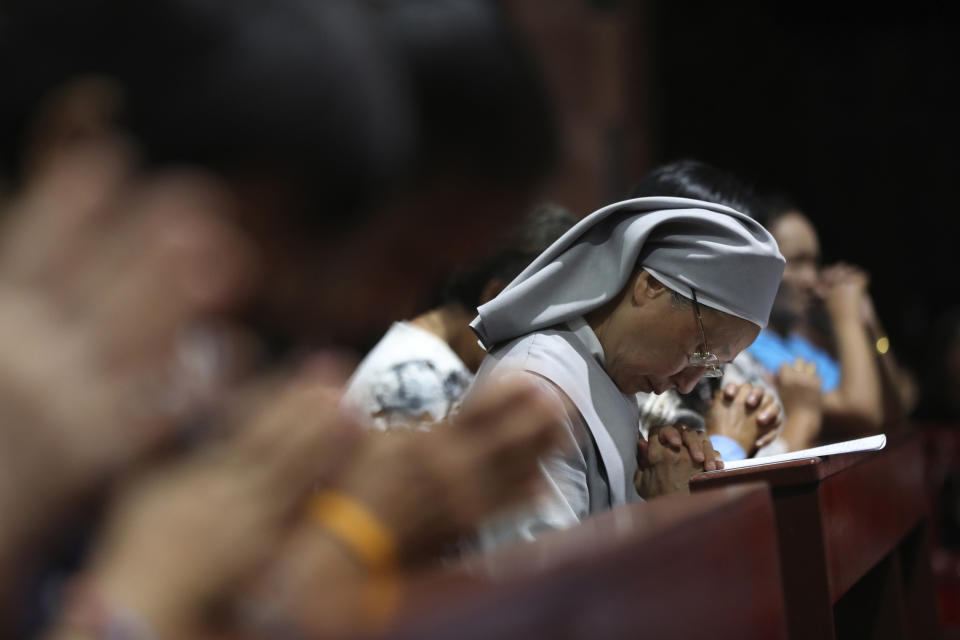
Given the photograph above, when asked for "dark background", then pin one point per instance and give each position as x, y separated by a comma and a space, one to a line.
851, 108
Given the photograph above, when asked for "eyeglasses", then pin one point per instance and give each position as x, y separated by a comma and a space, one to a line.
709, 361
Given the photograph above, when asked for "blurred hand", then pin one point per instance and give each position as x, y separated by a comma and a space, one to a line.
746, 414
844, 288
180, 538
100, 273
868, 312
799, 388
426, 488
430, 487
670, 457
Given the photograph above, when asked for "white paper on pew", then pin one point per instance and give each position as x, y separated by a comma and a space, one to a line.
870, 443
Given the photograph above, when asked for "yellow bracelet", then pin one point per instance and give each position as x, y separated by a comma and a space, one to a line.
357, 527
882, 345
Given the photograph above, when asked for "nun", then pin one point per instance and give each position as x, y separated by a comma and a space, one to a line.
647, 294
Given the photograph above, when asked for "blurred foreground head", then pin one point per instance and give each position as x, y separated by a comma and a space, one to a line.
366, 148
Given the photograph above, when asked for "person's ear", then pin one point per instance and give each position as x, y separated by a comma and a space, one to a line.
83, 108
646, 288
491, 290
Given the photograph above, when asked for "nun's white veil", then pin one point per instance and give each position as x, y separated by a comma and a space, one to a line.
730, 259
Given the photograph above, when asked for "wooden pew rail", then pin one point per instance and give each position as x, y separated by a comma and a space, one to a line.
680, 567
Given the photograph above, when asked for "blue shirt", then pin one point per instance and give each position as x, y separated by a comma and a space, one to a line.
771, 351
728, 448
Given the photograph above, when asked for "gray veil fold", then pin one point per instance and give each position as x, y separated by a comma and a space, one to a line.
729, 258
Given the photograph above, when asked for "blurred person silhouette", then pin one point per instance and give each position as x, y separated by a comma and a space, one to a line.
826, 317
269, 169
938, 411
741, 411
940, 391
614, 307
418, 372
851, 327
368, 125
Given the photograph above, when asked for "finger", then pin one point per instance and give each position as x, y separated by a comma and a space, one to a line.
508, 460
711, 456
717, 462
643, 453
516, 489
744, 394
511, 445
754, 397
497, 480
62, 209
670, 436
494, 398
179, 260
695, 445
516, 458
768, 399
526, 431
768, 415
528, 426
730, 391
769, 410
280, 457
766, 439
301, 420
776, 423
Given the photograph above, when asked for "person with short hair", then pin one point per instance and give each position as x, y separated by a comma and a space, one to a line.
416, 375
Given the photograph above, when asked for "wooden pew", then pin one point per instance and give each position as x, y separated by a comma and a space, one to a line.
682, 567
853, 539
942, 447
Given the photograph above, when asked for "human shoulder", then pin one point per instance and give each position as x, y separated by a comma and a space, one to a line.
410, 378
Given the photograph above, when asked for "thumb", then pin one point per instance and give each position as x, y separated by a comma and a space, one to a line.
766, 439
643, 451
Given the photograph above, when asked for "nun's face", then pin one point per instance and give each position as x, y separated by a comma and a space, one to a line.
649, 336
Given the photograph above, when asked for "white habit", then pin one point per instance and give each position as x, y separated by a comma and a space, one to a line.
597, 469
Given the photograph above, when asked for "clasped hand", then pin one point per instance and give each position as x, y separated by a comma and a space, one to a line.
670, 457
746, 414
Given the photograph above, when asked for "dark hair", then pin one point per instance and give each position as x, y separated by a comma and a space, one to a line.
776, 204
539, 230
701, 181
938, 400
333, 99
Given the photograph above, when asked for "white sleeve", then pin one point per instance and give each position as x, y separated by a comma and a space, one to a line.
775, 448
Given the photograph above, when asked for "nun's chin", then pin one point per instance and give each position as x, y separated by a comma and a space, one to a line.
643, 385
